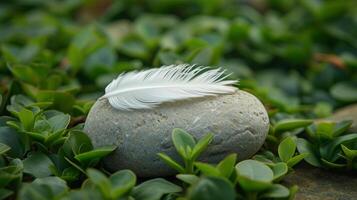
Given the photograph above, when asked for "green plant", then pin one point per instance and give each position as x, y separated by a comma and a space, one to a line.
249, 179
45, 142
287, 153
120, 185
188, 149
297, 57
329, 145
284, 128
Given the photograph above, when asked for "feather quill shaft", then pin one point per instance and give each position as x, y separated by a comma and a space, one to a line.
146, 89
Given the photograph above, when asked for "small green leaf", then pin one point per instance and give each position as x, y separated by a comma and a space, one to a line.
279, 170
100, 180
173, 164
293, 190
43, 188
291, 124
226, 166
201, 145
286, 149
254, 175
57, 185
351, 154
344, 91
304, 146
59, 122
27, 119
207, 169
325, 130
77, 143
342, 127
331, 164
188, 178
276, 191
38, 165
154, 189
212, 188
4, 148
97, 153
122, 182
182, 140
296, 159
331, 150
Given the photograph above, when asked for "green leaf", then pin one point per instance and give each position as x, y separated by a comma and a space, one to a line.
122, 182
276, 191
279, 170
44, 188
207, 169
296, 159
330, 151
14, 140
97, 153
57, 185
188, 178
11, 173
101, 181
332, 165
226, 166
77, 143
59, 122
173, 164
344, 91
4, 148
304, 146
182, 140
154, 189
201, 145
350, 153
325, 130
293, 190
286, 149
27, 119
254, 175
342, 127
38, 165
212, 188
291, 124
62, 101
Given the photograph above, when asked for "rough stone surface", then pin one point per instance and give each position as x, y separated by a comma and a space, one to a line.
317, 184
239, 122
347, 113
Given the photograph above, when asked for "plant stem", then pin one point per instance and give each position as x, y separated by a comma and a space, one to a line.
189, 166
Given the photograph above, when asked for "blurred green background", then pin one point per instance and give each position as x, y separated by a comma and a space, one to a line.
298, 56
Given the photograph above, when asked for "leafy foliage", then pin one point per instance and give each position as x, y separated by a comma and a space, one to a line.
56, 57
248, 179
330, 145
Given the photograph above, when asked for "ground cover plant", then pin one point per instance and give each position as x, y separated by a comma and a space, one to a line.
56, 57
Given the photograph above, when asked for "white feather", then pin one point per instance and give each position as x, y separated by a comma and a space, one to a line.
147, 89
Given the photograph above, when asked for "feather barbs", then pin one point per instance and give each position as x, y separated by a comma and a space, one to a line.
146, 89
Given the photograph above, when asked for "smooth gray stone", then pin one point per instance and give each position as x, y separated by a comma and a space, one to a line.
238, 121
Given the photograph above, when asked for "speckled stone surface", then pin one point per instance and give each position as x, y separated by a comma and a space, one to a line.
238, 121
320, 184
